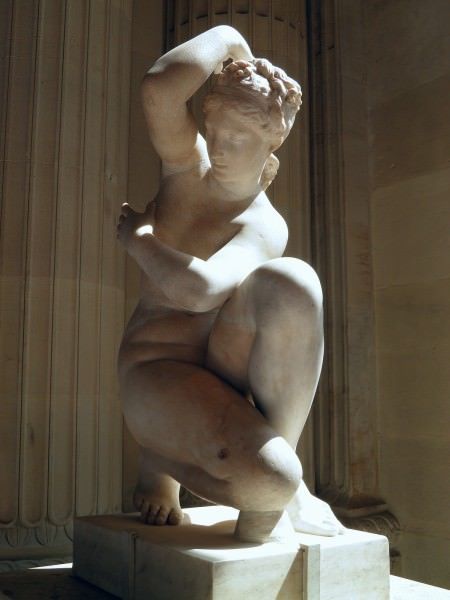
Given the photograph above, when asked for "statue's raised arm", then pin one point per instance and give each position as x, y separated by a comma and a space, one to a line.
173, 79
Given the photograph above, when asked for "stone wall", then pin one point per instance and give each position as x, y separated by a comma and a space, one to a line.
408, 66
380, 82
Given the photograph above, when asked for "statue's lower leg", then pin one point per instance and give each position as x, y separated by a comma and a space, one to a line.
215, 443
277, 316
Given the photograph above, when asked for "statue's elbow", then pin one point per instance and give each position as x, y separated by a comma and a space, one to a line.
152, 90
199, 302
148, 91
203, 298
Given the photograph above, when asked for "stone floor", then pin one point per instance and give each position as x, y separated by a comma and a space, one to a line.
48, 583
57, 583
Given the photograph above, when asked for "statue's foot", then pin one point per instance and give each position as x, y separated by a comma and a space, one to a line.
309, 514
156, 497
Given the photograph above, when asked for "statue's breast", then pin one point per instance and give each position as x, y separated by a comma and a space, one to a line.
188, 220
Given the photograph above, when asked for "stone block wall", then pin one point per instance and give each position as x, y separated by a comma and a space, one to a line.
408, 66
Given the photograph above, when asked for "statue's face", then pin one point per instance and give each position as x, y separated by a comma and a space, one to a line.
237, 148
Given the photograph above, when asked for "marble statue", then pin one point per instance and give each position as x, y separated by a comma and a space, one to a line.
220, 360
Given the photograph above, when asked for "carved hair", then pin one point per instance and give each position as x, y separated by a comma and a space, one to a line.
261, 94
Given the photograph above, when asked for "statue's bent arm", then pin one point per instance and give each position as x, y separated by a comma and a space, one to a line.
172, 80
200, 285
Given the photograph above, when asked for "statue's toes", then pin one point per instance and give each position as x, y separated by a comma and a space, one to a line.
161, 517
152, 514
175, 517
155, 513
334, 521
330, 528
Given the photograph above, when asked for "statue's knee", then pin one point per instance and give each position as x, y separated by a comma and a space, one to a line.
269, 478
288, 283
281, 465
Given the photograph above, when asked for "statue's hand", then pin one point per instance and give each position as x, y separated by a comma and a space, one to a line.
132, 223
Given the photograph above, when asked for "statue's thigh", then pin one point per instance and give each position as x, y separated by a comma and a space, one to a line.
277, 305
177, 409
231, 339
196, 427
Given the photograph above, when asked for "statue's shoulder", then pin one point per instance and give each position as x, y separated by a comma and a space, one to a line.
263, 213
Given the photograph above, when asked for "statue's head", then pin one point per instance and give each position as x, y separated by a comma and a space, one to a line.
256, 104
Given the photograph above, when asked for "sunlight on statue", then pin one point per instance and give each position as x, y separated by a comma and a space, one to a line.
220, 360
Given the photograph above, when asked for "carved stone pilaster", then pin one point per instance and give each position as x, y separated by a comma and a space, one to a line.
383, 523
346, 407
64, 124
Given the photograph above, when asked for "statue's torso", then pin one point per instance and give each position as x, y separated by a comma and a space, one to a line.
189, 219
186, 218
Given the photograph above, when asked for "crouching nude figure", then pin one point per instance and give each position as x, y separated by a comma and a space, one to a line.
220, 361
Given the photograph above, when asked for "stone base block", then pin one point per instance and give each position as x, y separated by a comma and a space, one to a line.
203, 561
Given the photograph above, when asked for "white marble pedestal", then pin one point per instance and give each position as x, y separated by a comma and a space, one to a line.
203, 561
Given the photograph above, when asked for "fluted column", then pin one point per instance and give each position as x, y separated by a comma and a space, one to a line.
64, 124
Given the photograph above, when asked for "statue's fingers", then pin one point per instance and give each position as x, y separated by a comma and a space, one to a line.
126, 208
242, 63
232, 67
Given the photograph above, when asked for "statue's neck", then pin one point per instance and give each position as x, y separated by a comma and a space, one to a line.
242, 191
